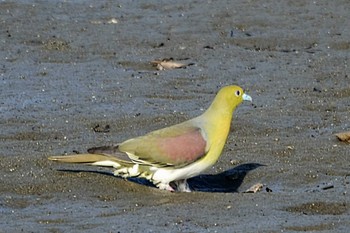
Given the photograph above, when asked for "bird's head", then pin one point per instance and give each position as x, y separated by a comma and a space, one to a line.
234, 94
231, 97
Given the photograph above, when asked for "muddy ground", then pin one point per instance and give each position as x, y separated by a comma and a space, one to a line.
77, 74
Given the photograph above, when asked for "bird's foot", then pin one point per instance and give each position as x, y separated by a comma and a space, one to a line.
164, 186
182, 186
177, 185
126, 172
121, 172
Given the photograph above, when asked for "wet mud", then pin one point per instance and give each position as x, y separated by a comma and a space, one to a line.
78, 74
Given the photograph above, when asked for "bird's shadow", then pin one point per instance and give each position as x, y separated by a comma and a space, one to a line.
225, 182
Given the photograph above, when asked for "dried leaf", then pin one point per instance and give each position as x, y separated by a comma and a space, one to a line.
110, 21
101, 129
343, 136
168, 64
255, 188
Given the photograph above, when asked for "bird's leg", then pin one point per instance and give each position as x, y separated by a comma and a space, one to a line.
121, 172
182, 185
127, 172
164, 186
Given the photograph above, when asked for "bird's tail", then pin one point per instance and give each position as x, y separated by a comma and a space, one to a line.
93, 159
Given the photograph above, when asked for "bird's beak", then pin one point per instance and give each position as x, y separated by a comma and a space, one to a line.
247, 97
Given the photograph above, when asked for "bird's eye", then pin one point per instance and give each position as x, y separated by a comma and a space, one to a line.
238, 93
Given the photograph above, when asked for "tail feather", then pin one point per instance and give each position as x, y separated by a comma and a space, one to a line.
92, 159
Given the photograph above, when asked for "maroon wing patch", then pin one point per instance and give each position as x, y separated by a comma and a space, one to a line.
183, 149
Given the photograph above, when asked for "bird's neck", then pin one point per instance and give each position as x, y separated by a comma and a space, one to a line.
220, 117
220, 112
217, 123
220, 108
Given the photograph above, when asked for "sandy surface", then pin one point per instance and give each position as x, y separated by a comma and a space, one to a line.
69, 67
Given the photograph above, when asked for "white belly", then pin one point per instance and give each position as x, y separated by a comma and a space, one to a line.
166, 175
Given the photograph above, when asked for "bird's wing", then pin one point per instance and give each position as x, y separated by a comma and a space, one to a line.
112, 151
176, 146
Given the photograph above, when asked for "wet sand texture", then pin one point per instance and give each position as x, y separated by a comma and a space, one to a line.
77, 74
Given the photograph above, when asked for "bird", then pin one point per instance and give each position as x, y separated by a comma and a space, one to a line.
168, 157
